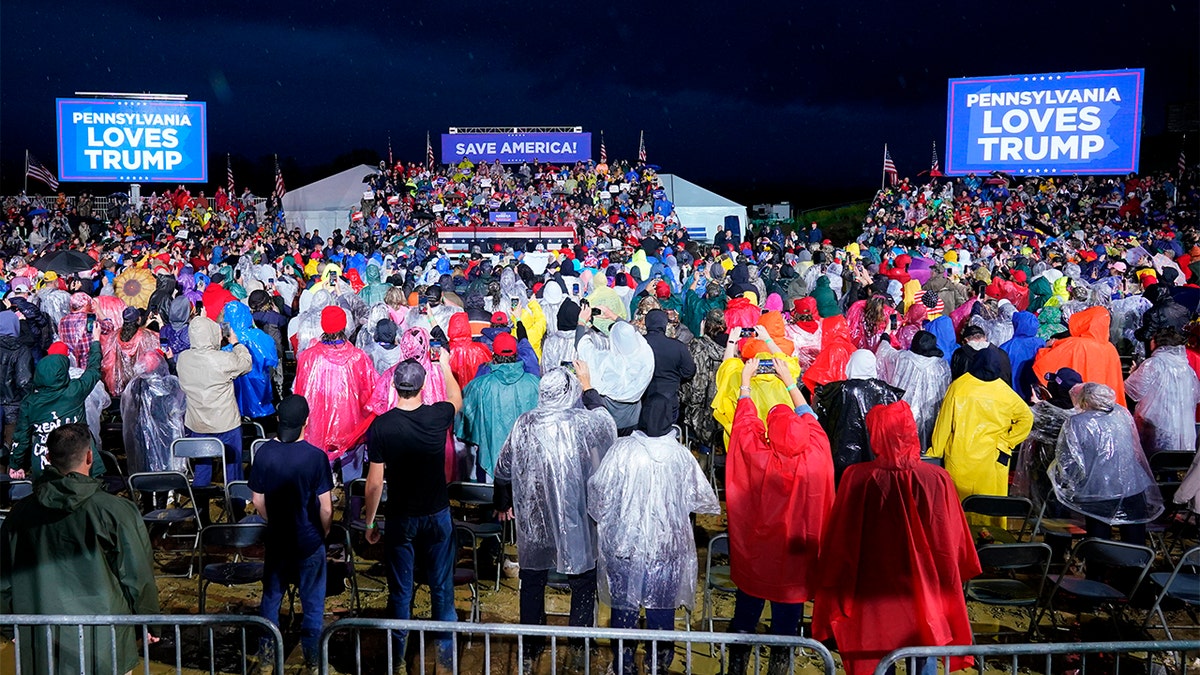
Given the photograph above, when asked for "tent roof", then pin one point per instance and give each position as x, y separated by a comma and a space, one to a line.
686, 193
339, 192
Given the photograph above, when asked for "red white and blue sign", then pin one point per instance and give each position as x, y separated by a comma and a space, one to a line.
517, 148
129, 140
1046, 124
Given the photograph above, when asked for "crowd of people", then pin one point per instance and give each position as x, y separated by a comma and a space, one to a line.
994, 336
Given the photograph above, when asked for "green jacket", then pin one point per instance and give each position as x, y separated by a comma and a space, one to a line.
491, 405
696, 306
827, 304
55, 400
72, 548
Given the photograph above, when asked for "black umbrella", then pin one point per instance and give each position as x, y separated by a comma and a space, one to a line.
368, 179
65, 262
423, 215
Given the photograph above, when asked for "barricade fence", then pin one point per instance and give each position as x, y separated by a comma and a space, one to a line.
1080, 658
508, 648
115, 645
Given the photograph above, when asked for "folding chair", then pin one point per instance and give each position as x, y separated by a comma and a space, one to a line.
251, 433
1090, 593
716, 464
204, 448
179, 511
1066, 528
239, 490
1005, 589
354, 514
254, 448
475, 504
1180, 586
114, 474
233, 570
1000, 507
341, 573
1168, 530
13, 492
716, 579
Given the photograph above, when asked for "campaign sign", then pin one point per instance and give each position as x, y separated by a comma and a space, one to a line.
502, 216
1086, 123
550, 147
126, 140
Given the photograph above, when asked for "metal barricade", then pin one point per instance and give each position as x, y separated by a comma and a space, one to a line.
499, 649
97, 644
1105, 658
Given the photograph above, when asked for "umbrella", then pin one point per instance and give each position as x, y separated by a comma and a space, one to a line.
118, 195
423, 215
65, 262
134, 287
38, 212
368, 179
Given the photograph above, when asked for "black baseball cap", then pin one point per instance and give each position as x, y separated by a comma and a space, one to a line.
409, 377
293, 413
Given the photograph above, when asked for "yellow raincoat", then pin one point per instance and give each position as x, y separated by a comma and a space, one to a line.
533, 317
1061, 293
767, 391
979, 424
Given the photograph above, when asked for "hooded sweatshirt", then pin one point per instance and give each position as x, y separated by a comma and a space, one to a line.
206, 374
55, 400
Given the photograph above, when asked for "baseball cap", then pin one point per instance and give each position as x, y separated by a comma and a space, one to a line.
408, 377
505, 345
59, 348
293, 413
499, 319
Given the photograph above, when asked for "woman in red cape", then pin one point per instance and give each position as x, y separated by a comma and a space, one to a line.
779, 495
896, 553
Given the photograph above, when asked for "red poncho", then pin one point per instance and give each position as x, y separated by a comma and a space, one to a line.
896, 552
466, 355
1003, 289
780, 491
836, 348
337, 380
214, 299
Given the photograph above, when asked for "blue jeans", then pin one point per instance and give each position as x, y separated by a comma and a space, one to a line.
925, 666
308, 575
427, 543
747, 609
656, 619
232, 440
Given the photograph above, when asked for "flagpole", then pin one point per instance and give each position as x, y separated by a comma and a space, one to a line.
883, 178
25, 191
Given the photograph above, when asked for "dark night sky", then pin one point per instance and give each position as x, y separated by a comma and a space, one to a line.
763, 100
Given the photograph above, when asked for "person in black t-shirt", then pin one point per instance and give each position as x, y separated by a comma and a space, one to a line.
290, 483
407, 445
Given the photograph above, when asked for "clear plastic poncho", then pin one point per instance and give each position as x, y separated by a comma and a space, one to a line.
1167, 392
152, 407
96, 402
924, 380
1099, 469
641, 499
308, 324
549, 456
1037, 452
378, 312
56, 304
623, 371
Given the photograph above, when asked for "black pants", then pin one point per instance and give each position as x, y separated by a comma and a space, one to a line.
533, 602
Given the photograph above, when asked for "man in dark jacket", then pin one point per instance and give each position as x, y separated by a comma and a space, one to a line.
975, 341
72, 548
16, 372
672, 362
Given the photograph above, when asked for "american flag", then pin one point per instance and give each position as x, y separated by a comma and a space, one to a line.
934, 168
37, 171
430, 160
279, 189
603, 150
642, 147
229, 173
889, 167
1183, 157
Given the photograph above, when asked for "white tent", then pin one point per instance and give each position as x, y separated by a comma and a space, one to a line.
702, 212
325, 205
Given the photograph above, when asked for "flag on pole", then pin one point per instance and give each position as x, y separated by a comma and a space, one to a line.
603, 150
1183, 157
37, 171
642, 147
430, 160
229, 173
934, 168
391, 162
279, 189
889, 167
